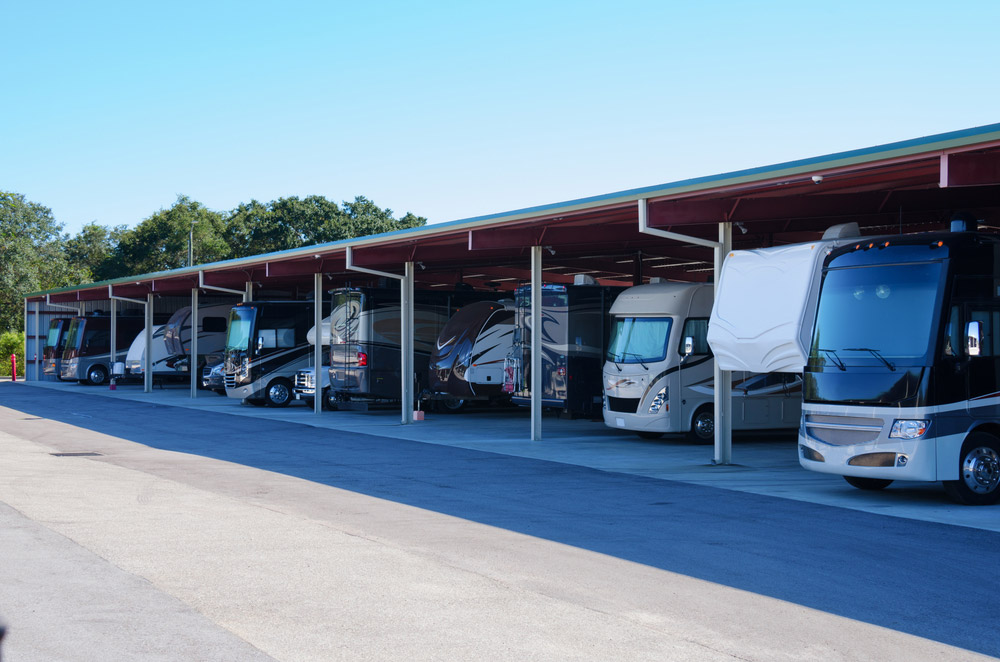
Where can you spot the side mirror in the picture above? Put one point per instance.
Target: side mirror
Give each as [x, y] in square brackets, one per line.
[260, 343]
[973, 338]
[688, 346]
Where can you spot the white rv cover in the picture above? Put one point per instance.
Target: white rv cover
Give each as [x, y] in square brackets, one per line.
[764, 307]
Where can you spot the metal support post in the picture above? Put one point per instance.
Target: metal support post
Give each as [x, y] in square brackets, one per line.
[38, 332]
[114, 337]
[318, 347]
[723, 378]
[536, 343]
[193, 360]
[248, 293]
[147, 371]
[406, 341]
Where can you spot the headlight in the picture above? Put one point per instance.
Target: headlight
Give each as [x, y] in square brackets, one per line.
[908, 429]
[659, 401]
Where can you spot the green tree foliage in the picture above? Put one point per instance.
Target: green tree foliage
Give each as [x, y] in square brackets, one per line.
[31, 256]
[11, 342]
[254, 228]
[95, 248]
[160, 242]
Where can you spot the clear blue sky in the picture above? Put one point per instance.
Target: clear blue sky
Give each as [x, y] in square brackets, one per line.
[451, 110]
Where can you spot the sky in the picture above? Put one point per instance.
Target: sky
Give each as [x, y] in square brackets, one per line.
[452, 110]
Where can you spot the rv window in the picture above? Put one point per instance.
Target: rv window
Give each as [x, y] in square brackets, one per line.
[696, 328]
[53, 338]
[213, 324]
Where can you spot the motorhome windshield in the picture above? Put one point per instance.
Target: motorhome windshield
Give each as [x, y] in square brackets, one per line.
[639, 339]
[75, 334]
[52, 340]
[880, 314]
[240, 327]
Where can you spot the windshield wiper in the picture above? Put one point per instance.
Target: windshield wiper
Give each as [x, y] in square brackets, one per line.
[874, 353]
[833, 357]
[637, 358]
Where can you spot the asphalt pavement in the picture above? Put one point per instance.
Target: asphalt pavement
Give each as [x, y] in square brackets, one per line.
[209, 530]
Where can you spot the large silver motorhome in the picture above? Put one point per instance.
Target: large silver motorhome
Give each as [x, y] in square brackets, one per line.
[87, 357]
[658, 376]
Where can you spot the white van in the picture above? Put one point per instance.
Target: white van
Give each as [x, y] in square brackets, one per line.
[658, 373]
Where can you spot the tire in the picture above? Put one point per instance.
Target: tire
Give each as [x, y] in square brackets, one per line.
[979, 471]
[644, 434]
[871, 484]
[450, 405]
[703, 426]
[96, 375]
[278, 393]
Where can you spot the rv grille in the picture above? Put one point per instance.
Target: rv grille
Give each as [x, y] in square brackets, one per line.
[843, 430]
[623, 405]
[230, 381]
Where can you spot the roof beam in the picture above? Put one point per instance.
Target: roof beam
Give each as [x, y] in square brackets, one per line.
[970, 169]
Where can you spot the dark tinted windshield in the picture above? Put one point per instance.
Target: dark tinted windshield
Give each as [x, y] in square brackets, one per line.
[639, 339]
[885, 311]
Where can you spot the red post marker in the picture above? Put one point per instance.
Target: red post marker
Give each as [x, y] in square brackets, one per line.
[13, 367]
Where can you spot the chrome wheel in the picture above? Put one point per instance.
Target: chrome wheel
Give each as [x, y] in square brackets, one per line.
[703, 427]
[981, 470]
[96, 375]
[279, 393]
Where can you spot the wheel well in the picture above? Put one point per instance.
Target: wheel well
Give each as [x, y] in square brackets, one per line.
[989, 428]
[705, 406]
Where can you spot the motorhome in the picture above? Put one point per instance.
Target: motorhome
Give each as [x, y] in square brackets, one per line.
[659, 369]
[87, 357]
[55, 344]
[212, 322]
[575, 331]
[266, 345]
[467, 360]
[365, 339]
[903, 371]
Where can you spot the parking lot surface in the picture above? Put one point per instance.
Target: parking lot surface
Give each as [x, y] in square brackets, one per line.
[281, 534]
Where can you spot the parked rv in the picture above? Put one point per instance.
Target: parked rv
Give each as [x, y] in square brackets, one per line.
[87, 357]
[55, 345]
[212, 321]
[265, 346]
[904, 367]
[135, 359]
[365, 339]
[467, 360]
[575, 331]
[659, 372]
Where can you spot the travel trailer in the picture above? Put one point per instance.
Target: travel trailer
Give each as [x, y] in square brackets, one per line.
[659, 372]
[266, 345]
[212, 322]
[900, 360]
[135, 358]
[467, 360]
[55, 344]
[87, 357]
[575, 330]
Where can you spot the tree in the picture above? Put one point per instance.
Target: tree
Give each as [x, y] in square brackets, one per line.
[94, 247]
[254, 228]
[160, 242]
[31, 257]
